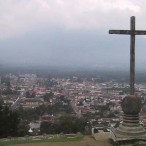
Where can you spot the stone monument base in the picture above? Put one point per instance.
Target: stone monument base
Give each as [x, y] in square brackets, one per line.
[123, 133]
[130, 129]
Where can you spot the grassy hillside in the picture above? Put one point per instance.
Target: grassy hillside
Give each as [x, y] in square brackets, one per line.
[76, 141]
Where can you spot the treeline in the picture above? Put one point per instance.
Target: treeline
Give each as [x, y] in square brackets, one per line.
[15, 123]
[65, 124]
[32, 114]
[11, 124]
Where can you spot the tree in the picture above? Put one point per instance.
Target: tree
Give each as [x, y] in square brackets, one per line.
[1, 101]
[44, 127]
[48, 96]
[27, 94]
[28, 114]
[8, 122]
[8, 91]
[66, 124]
[42, 109]
[32, 95]
[23, 128]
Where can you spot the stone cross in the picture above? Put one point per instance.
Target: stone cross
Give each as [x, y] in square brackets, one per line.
[132, 32]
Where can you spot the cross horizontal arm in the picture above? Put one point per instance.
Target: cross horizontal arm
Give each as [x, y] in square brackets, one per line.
[128, 32]
[119, 31]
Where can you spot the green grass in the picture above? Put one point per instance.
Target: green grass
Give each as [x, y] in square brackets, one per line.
[63, 139]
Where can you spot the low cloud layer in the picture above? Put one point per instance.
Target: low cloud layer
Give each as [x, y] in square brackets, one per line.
[69, 32]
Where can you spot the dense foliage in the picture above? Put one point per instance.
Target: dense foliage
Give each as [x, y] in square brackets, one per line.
[65, 124]
[10, 123]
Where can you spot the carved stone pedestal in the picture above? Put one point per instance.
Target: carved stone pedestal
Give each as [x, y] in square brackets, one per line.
[130, 129]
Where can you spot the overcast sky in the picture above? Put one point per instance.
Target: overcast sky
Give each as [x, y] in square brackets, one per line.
[70, 32]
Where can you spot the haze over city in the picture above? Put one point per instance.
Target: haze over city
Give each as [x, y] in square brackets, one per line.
[70, 33]
[66, 75]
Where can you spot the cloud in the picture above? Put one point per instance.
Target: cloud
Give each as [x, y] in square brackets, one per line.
[69, 31]
[19, 17]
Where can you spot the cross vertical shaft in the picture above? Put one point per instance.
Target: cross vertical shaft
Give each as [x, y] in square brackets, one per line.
[132, 56]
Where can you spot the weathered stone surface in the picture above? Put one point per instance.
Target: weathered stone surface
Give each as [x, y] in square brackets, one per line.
[130, 129]
[124, 135]
[131, 105]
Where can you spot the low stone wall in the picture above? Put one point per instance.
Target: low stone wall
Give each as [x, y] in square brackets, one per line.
[39, 137]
